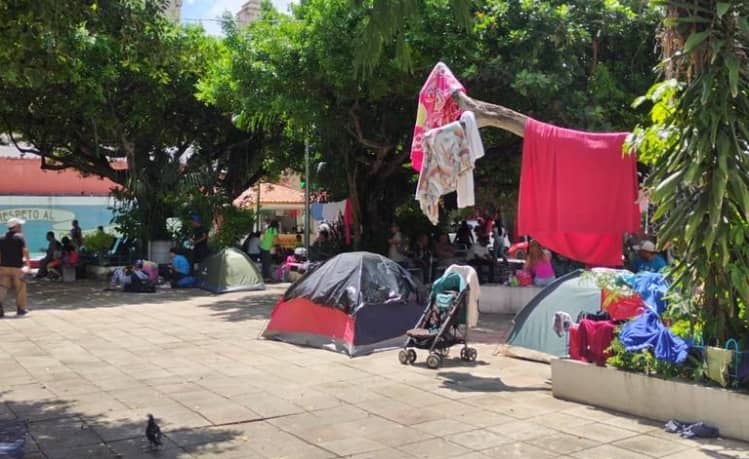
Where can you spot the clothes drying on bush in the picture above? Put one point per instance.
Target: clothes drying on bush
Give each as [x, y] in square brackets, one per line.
[719, 363]
[622, 308]
[652, 287]
[647, 332]
[594, 339]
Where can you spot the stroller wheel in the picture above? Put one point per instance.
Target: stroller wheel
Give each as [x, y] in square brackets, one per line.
[403, 357]
[468, 354]
[434, 361]
[411, 356]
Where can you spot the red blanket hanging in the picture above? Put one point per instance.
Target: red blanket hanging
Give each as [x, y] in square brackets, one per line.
[578, 192]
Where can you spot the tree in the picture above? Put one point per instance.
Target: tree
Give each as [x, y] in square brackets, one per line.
[110, 90]
[697, 145]
[566, 65]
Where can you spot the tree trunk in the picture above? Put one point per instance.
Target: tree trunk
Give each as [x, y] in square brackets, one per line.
[492, 115]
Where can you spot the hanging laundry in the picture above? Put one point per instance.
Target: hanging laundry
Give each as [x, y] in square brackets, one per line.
[578, 192]
[436, 108]
[575, 345]
[719, 362]
[466, 195]
[652, 288]
[647, 332]
[562, 323]
[315, 211]
[446, 157]
[332, 211]
[595, 338]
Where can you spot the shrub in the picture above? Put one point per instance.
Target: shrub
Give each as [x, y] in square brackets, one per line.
[98, 242]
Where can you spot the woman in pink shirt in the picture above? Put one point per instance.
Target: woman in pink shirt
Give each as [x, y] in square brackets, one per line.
[538, 264]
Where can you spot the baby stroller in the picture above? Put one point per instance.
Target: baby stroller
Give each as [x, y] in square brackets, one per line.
[442, 325]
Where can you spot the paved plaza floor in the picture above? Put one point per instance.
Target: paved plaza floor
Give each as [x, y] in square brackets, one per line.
[87, 366]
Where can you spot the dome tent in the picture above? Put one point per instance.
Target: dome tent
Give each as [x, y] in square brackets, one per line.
[533, 325]
[229, 270]
[355, 303]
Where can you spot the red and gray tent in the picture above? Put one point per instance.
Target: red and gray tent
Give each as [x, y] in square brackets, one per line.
[355, 303]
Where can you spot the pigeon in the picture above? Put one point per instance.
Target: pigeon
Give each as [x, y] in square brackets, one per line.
[153, 432]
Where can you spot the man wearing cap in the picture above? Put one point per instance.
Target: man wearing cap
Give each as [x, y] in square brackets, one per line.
[14, 256]
[648, 259]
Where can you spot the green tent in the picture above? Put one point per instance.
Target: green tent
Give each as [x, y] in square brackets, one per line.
[533, 327]
[229, 270]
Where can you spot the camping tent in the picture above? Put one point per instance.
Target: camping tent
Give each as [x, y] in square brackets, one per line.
[355, 303]
[229, 270]
[572, 294]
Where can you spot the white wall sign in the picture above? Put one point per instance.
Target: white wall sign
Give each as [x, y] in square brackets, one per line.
[61, 220]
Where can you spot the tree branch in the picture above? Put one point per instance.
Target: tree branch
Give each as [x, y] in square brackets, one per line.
[492, 115]
[359, 134]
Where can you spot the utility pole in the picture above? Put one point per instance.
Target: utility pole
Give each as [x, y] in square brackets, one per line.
[307, 186]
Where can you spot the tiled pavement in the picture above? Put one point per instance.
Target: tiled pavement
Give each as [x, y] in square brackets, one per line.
[86, 366]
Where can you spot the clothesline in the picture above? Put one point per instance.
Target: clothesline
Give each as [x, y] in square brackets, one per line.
[578, 194]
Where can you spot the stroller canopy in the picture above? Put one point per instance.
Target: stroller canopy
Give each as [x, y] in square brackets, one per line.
[533, 327]
[229, 270]
[355, 303]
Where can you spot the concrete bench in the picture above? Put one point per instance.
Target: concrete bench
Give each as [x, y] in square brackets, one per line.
[500, 299]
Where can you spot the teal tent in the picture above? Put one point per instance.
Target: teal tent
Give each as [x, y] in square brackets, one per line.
[533, 325]
[229, 270]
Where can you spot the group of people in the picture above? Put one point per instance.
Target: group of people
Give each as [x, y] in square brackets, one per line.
[470, 245]
[60, 253]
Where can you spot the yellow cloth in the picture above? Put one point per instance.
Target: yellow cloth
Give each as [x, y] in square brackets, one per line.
[718, 363]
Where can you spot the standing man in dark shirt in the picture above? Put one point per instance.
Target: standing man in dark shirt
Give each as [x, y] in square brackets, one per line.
[76, 234]
[14, 256]
[199, 240]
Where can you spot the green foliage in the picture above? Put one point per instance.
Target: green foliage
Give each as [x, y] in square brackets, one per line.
[611, 282]
[697, 143]
[298, 74]
[98, 242]
[234, 225]
[645, 362]
[108, 88]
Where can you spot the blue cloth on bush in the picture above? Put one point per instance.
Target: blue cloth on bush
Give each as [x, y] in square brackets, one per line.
[647, 332]
[651, 287]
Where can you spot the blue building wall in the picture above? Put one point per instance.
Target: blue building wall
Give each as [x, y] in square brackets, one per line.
[55, 213]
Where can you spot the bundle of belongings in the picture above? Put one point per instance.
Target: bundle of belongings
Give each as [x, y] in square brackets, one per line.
[691, 430]
[141, 277]
[636, 315]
